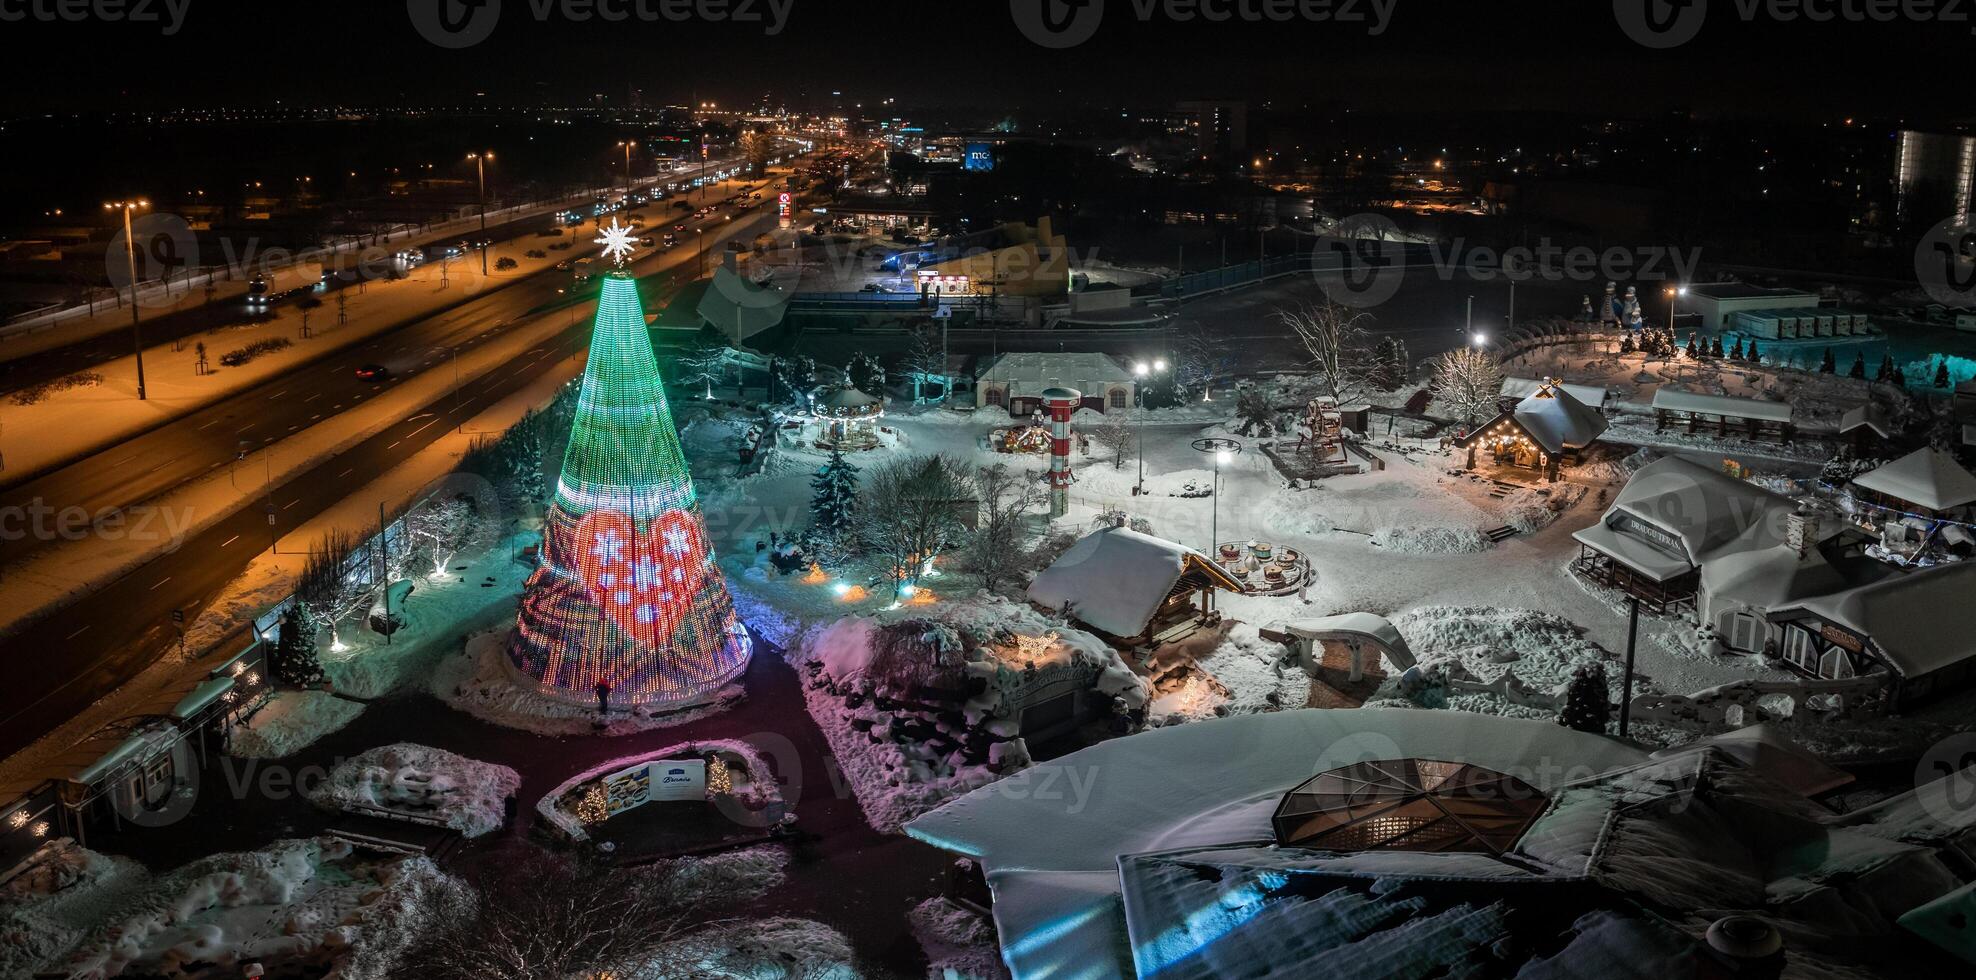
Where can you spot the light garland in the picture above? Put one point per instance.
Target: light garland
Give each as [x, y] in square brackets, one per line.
[628, 594]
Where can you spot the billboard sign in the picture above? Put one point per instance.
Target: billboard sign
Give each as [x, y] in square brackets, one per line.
[679, 779]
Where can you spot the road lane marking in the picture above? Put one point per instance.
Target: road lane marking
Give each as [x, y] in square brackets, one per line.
[161, 581]
[229, 540]
[208, 425]
[291, 503]
[77, 633]
[345, 473]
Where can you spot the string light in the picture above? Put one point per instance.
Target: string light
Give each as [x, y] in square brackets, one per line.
[628, 594]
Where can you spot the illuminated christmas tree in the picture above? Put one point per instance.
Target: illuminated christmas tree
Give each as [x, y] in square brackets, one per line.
[628, 593]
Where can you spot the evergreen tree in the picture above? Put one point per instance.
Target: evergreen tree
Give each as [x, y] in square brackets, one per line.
[1886, 372]
[1752, 355]
[1899, 376]
[834, 498]
[1829, 365]
[1626, 344]
[1942, 373]
[1715, 349]
[1693, 351]
[294, 661]
[1736, 352]
[1858, 367]
[1389, 371]
[1586, 707]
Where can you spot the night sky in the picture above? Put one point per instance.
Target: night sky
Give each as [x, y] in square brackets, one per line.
[1511, 54]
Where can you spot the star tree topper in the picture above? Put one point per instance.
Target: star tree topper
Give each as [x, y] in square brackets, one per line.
[617, 242]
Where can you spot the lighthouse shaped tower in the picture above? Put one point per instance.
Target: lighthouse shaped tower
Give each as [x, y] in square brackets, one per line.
[627, 593]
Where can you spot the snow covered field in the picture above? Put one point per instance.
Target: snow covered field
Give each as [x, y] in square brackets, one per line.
[422, 783]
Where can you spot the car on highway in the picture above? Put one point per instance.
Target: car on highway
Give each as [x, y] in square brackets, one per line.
[373, 372]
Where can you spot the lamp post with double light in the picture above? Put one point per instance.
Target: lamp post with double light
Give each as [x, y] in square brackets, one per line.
[480, 167]
[1141, 372]
[130, 255]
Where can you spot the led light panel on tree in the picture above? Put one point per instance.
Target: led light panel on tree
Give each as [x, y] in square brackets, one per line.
[628, 593]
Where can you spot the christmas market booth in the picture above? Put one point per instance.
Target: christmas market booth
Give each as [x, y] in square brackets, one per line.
[1543, 432]
[846, 419]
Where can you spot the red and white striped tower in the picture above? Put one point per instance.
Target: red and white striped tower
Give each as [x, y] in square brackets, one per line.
[1061, 402]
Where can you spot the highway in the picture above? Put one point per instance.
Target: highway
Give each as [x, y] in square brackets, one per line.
[63, 662]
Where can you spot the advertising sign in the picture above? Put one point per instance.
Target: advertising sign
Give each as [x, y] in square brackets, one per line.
[629, 788]
[679, 779]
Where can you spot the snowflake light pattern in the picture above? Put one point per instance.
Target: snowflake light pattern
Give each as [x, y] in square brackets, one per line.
[617, 242]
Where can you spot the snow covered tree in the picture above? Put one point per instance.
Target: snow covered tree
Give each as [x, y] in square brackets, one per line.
[1390, 363]
[1829, 365]
[1115, 434]
[1006, 497]
[1752, 355]
[1334, 340]
[834, 499]
[1467, 383]
[1257, 415]
[910, 513]
[795, 377]
[1626, 344]
[1886, 372]
[1858, 370]
[1587, 707]
[1715, 349]
[293, 660]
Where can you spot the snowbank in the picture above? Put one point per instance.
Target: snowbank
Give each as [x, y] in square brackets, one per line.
[1431, 540]
[302, 905]
[290, 722]
[959, 943]
[69, 891]
[426, 783]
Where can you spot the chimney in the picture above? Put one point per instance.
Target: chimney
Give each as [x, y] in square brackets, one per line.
[1801, 531]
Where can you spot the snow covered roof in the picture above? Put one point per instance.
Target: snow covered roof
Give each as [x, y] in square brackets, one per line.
[1348, 626]
[1174, 787]
[1675, 400]
[1908, 617]
[1767, 578]
[1768, 750]
[1558, 421]
[1115, 579]
[1087, 372]
[1927, 478]
[1709, 513]
[1408, 805]
[1593, 396]
[1869, 416]
[844, 400]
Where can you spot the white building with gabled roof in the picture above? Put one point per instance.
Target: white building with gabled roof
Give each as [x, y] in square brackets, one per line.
[1016, 381]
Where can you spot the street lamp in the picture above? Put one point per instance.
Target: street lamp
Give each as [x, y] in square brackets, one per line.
[1141, 370]
[1674, 294]
[480, 166]
[626, 146]
[130, 254]
[702, 239]
[1224, 451]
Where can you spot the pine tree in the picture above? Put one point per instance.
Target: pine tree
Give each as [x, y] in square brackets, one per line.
[1693, 351]
[1715, 349]
[1942, 373]
[1829, 365]
[1886, 372]
[1752, 355]
[1858, 367]
[1736, 352]
[1586, 707]
[834, 498]
[1626, 344]
[294, 661]
[1899, 377]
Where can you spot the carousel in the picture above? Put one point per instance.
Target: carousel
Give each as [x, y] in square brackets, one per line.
[846, 419]
[1264, 568]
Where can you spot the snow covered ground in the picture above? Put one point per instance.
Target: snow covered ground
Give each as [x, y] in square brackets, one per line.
[297, 905]
[423, 783]
[290, 722]
[479, 681]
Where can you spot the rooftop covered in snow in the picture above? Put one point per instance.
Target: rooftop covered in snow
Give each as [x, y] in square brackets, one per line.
[1116, 579]
[1674, 515]
[1927, 478]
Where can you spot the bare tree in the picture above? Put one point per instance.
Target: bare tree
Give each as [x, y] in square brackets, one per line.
[1335, 340]
[1201, 360]
[1006, 496]
[910, 513]
[704, 361]
[926, 358]
[1115, 435]
[1467, 383]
